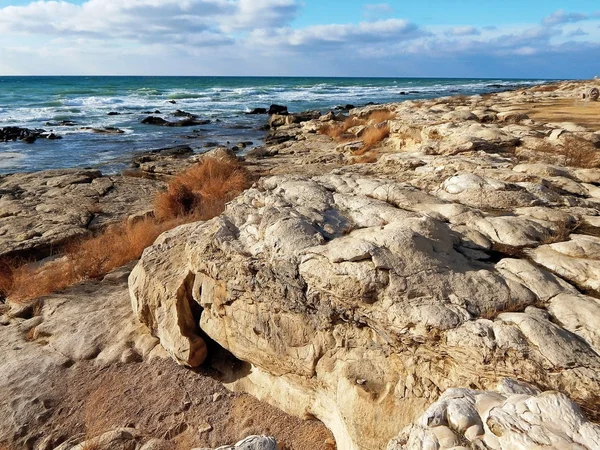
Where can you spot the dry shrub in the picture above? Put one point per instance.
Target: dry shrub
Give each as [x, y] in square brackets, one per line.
[338, 131]
[574, 151]
[545, 88]
[381, 115]
[200, 192]
[373, 136]
[580, 153]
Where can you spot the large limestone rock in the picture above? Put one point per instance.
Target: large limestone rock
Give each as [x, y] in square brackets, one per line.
[353, 300]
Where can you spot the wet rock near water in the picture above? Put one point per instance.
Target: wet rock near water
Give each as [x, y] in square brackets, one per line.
[258, 111]
[25, 135]
[277, 109]
[188, 122]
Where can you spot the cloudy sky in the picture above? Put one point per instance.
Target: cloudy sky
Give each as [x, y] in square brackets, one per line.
[435, 38]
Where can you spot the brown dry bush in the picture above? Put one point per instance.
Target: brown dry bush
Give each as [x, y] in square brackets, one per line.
[373, 136]
[202, 191]
[199, 193]
[574, 151]
[381, 115]
[545, 88]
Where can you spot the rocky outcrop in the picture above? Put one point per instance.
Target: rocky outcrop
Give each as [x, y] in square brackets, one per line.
[25, 135]
[42, 210]
[360, 300]
[426, 282]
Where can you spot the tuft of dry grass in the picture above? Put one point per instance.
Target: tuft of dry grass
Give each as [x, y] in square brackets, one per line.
[381, 115]
[199, 193]
[376, 129]
[573, 152]
[545, 88]
[373, 136]
[202, 191]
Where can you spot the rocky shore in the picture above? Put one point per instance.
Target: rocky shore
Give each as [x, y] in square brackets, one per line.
[436, 290]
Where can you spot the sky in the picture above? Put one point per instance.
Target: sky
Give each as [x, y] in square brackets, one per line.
[402, 38]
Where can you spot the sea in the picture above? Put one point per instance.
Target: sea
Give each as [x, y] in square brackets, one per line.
[71, 107]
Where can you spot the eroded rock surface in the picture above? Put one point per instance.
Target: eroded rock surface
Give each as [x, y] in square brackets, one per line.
[358, 301]
[42, 210]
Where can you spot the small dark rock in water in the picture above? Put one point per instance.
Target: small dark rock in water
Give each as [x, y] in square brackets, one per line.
[172, 102]
[210, 144]
[258, 111]
[180, 113]
[403, 93]
[347, 107]
[107, 130]
[24, 134]
[151, 120]
[152, 112]
[62, 123]
[371, 104]
[278, 109]
[190, 122]
[51, 136]
[114, 113]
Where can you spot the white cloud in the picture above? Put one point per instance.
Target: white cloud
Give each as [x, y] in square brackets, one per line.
[374, 11]
[324, 37]
[463, 31]
[257, 37]
[560, 17]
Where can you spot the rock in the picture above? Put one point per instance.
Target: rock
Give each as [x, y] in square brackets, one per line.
[114, 113]
[119, 439]
[278, 120]
[277, 109]
[511, 117]
[500, 420]
[85, 323]
[257, 443]
[24, 134]
[258, 111]
[188, 122]
[179, 151]
[319, 282]
[107, 130]
[42, 210]
[577, 260]
[180, 113]
[152, 120]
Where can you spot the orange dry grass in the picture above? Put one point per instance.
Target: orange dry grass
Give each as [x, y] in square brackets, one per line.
[371, 136]
[202, 191]
[199, 193]
[575, 152]
[85, 259]
[381, 115]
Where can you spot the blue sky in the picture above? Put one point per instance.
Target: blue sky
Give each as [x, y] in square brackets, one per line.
[437, 38]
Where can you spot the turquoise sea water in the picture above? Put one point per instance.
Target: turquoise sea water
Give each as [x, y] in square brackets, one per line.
[41, 102]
